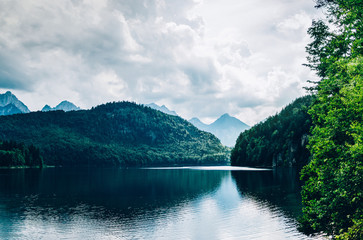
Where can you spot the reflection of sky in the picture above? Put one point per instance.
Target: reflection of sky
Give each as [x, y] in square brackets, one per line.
[220, 214]
[224, 214]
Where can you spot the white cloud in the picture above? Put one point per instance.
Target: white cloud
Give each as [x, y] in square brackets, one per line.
[200, 58]
[297, 22]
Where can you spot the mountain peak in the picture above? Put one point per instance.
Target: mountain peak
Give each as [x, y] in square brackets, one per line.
[46, 108]
[195, 119]
[226, 128]
[8, 98]
[162, 108]
[65, 102]
[227, 120]
[199, 124]
[226, 115]
[64, 105]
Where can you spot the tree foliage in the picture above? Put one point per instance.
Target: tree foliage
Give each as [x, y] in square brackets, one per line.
[280, 140]
[13, 154]
[340, 36]
[332, 193]
[113, 134]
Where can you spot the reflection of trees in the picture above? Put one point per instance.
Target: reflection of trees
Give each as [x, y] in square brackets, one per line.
[111, 192]
[278, 189]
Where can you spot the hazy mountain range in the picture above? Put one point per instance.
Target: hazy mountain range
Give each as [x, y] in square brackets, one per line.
[226, 128]
[64, 105]
[162, 108]
[10, 104]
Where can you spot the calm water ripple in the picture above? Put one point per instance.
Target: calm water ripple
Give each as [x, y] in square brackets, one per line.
[173, 203]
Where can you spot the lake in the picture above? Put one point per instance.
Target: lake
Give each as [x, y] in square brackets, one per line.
[150, 203]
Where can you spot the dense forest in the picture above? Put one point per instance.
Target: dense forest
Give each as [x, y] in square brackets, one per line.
[280, 140]
[333, 180]
[13, 154]
[113, 134]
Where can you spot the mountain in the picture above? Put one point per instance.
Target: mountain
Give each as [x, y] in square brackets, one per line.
[113, 134]
[47, 108]
[64, 105]
[280, 140]
[163, 109]
[10, 104]
[9, 110]
[199, 124]
[226, 128]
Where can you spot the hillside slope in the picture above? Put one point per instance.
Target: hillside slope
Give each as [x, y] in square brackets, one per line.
[278, 141]
[113, 134]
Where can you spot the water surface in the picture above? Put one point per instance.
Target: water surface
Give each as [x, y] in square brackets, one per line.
[156, 203]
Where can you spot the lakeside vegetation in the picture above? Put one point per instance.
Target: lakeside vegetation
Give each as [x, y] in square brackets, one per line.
[333, 180]
[280, 140]
[114, 134]
[13, 154]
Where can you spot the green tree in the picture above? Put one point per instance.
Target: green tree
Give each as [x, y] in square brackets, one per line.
[13, 154]
[333, 181]
[280, 140]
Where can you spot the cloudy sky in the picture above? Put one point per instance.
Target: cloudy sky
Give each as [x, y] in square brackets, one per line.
[200, 58]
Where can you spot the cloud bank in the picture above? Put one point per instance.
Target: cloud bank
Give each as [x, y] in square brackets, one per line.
[200, 58]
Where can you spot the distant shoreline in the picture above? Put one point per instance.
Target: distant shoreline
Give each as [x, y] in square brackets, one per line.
[26, 167]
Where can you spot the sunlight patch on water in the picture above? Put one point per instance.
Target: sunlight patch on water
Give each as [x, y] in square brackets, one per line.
[230, 168]
[220, 168]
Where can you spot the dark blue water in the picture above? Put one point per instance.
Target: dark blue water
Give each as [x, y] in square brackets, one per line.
[172, 203]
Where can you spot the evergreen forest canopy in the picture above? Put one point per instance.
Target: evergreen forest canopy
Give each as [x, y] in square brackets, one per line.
[332, 193]
[280, 140]
[14, 154]
[113, 134]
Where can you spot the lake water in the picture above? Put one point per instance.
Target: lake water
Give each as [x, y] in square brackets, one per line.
[155, 203]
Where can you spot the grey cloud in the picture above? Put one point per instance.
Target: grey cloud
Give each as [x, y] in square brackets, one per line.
[202, 74]
[288, 95]
[10, 76]
[144, 10]
[248, 102]
[153, 51]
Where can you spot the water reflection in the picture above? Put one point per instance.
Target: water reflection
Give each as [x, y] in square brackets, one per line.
[117, 189]
[279, 189]
[146, 204]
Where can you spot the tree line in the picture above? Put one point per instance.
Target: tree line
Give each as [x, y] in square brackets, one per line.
[13, 154]
[280, 140]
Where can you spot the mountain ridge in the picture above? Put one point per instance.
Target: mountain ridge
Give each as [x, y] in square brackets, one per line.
[226, 128]
[10, 104]
[64, 105]
[162, 108]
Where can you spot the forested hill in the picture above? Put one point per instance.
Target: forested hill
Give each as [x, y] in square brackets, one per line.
[280, 140]
[113, 134]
